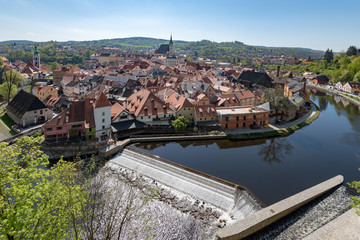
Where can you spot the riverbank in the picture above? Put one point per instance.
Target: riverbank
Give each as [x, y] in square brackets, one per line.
[352, 99]
[113, 148]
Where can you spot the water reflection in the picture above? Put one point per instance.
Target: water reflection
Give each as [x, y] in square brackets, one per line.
[221, 144]
[275, 150]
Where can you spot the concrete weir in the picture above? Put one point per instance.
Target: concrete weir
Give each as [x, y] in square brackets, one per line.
[273, 213]
[217, 192]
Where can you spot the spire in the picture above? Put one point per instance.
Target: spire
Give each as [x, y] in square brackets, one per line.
[171, 42]
[36, 51]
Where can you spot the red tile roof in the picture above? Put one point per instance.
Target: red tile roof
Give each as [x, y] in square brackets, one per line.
[145, 103]
[116, 110]
[102, 101]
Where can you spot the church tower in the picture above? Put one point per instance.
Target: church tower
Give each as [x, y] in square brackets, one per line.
[171, 45]
[36, 58]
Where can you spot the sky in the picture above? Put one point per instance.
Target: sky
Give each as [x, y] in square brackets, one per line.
[316, 24]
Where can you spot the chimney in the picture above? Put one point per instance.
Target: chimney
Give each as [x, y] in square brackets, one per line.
[305, 86]
[278, 71]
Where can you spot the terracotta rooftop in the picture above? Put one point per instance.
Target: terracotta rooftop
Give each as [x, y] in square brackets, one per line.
[102, 101]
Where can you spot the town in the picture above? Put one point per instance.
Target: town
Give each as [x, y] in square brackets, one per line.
[117, 95]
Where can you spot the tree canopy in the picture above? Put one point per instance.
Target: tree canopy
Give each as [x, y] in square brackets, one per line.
[11, 79]
[36, 202]
[351, 51]
[180, 124]
[329, 56]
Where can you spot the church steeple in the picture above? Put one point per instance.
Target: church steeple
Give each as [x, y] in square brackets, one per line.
[170, 44]
[36, 58]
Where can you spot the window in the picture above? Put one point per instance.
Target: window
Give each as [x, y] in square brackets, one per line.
[141, 117]
[41, 111]
[103, 127]
[244, 118]
[237, 118]
[226, 118]
[48, 129]
[103, 113]
[200, 119]
[103, 120]
[34, 111]
[58, 128]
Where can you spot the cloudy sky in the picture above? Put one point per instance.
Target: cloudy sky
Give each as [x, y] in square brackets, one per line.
[316, 24]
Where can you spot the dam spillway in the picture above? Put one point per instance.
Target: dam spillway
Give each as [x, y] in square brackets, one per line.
[229, 197]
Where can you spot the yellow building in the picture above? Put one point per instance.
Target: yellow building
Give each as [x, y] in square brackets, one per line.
[42, 92]
[182, 106]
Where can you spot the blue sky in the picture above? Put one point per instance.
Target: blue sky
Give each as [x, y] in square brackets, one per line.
[316, 24]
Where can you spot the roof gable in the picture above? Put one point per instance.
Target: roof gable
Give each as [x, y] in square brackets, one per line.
[102, 101]
[24, 102]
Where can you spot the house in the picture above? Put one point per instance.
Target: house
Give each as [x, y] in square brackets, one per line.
[202, 99]
[242, 117]
[59, 73]
[205, 115]
[227, 100]
[75, 122]
[148, 108]
[347, 88]
[102, 117]
[26, 109]
[75, 90]
[292, 87]
[252, 79]
[182, 106]
[246, 98]
[339, 86]
[322, 79]
[44, 91]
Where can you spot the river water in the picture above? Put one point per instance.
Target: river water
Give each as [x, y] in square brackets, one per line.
[276, 168]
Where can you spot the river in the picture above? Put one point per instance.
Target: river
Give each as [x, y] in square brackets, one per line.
[276, 168]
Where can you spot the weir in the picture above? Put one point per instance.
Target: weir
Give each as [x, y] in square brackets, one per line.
[222, 194]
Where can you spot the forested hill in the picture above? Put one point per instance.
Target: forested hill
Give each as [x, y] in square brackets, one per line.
[203, 48]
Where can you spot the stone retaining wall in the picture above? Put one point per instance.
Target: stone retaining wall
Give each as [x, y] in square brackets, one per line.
[272, 213]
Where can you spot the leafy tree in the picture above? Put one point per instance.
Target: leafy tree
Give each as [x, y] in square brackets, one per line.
[356, 199]
[351, 51]
[180, 124]
[36, 202]
[329, 56]
[54, 65]
[275, 96]
[6, 92]
[11, 79]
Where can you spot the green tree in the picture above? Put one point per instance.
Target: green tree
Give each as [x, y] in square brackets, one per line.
[329, 56]
[54, 65]
[6, 92]
[275, 96]
[351, 51]
[180, 124]
[356, 200]
[11, 79]
[36, 202]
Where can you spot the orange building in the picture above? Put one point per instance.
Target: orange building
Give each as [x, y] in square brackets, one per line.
[242, 117]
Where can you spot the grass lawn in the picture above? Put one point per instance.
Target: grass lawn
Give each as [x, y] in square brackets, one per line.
[6, 124]
[7, 120]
